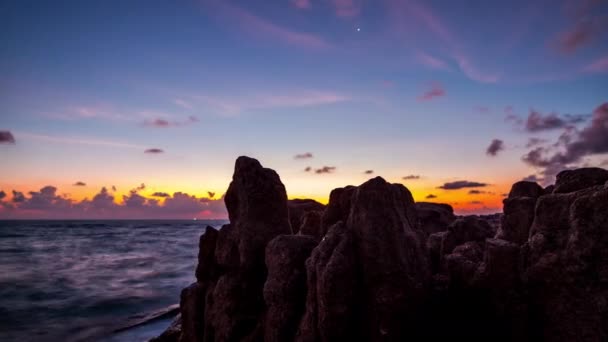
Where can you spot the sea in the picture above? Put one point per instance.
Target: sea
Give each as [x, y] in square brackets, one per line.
[85, 280]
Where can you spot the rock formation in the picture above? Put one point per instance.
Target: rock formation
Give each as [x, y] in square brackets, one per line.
[375, 266]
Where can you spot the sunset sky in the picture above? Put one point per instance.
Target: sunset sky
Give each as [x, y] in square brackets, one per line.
[457, 100]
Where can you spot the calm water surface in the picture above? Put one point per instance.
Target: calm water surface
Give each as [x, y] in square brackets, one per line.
[79, 280]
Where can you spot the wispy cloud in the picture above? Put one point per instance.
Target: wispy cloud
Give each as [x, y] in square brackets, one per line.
[154, 151]
[430, 61]
[306, 155]
[77, 141]
[598, 66]
[234, 105]
[253, 25]
[163, 123]
[301, 4]
[461, 185]
[347, 8]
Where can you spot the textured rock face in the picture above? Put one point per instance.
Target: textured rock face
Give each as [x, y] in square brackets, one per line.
[257, 207]
[567, 266]
[368, 274]
[285, 287]
[434, 217]
[519, 212]
[366, 269]
[299, 208]
[574, 180]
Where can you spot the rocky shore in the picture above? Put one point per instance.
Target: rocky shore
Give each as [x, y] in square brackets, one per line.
[373, 265]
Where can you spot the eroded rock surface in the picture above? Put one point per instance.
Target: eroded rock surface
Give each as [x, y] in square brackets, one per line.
[375, 266]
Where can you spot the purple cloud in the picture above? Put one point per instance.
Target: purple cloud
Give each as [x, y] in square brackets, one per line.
[461, 185]
[572, 145]
[325, 169]
[306, 155]
[411, 177]
[496, 146]
[7, 137]
[154, 151]
[80, 184]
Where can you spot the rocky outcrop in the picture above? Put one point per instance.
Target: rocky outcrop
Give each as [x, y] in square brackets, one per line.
[375, 266]
[579, 179]
[434, 217]
[285, 287]
[518, 212]
[299, 208]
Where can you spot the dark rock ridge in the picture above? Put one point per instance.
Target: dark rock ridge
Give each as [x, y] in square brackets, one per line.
[375, 266]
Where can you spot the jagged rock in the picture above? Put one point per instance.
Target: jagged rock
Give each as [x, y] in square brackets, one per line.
[434, 217]
[298, 208]
[311, 225]
[285, 287]
[257, 207]
[192, 307]
[392, 258]
[464, 229]
[434, 247]
[549, 189]
[526, 189]
[207, 268]
[500, 266]
[226, 248]
[567, 265]
[338, 207]
[573, 180]
[331, 297]
[463, 262]
[518, 212]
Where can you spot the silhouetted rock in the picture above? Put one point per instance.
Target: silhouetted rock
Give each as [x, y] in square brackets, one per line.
[568, 265]
[298, 208]
[573, 180]
[331, 310]
[173, 333]
[434, 217]
[518, 212]
[311, 225]
[549, 189]
[257, 207]
[207, 267]
[367, 269]
[526, 189]
[338, 207]
[285, 287]
[465, 229]
[192, 307]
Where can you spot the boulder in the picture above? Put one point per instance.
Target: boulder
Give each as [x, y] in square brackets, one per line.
[526, 189]
[434, 217]
[464, 229]
[285, 287]
[192, 307]
[518, 215]
[573, 180]
[298, 208]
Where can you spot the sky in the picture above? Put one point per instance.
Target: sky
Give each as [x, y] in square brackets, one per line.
[138, 109]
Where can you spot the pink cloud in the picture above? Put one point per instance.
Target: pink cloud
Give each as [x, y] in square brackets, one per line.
[435, 91]
[264, 29]
[599, 66]
[580, 35]
[347, 8]
[301, 4]
[416, 11]
[47, 203]
[430, 61]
